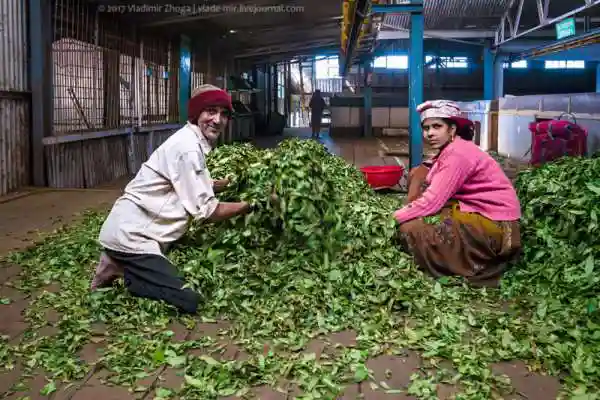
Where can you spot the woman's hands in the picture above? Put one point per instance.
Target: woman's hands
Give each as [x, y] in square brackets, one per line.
[416, 179]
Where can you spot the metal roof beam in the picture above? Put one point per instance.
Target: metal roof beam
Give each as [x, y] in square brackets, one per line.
[453, 34]
[521, 45]
[286, 55]
[542, 7]
[290, 35]
[586, 39]
[299, 26]
[513, 21]
[456, 34]
[357, 16]
[289, 43]
[288, 48]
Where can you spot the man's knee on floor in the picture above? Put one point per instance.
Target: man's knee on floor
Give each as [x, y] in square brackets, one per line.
[184, 299]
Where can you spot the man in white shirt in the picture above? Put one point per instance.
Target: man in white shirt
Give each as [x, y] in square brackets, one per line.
[172, 187]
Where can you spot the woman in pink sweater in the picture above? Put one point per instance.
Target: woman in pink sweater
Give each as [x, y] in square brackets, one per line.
[477, 232]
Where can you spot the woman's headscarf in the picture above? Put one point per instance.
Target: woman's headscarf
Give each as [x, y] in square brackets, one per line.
[439, 109]
[447, 109]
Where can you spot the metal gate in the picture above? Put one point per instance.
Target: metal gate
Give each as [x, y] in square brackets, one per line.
[15, 98]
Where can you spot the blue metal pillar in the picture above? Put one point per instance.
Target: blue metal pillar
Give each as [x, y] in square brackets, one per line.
[368, 101]
[488, 73]
[185, 77]
[41, 35]
[415, 88]
[598, 77]
[499, 75]
[415, 71]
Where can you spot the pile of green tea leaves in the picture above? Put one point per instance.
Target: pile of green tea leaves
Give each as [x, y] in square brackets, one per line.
[558, 278]
[320, 200]
[324, 259]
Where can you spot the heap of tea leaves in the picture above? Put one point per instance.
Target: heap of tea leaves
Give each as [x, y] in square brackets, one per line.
[558, 278]
[324, 259]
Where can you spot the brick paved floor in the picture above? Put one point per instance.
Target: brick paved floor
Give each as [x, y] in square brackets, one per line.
[21, 218]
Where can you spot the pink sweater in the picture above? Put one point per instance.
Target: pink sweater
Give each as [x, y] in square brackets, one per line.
[465, 173]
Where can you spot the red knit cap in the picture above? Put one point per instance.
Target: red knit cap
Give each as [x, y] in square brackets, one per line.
[207, 96]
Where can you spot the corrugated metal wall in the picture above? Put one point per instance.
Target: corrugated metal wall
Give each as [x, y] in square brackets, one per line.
[108, 84]
[14, 97]
[92, 162]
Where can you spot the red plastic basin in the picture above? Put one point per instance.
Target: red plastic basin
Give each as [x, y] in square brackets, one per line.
[383, 176]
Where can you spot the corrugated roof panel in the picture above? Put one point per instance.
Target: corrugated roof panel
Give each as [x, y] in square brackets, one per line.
[437, 12]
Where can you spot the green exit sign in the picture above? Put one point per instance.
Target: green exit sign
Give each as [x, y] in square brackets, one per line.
[565, 28]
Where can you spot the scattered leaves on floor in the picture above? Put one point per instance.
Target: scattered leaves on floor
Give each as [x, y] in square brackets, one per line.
[321, 260]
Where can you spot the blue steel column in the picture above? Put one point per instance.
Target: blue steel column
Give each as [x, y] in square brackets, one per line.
[415, 71]
[368, 101]
[185, 80]
[40, 67]
[499, 75]
[598, 77]
[488, 73]
[415, 88]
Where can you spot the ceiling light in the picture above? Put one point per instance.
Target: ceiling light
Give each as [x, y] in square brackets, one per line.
[232, 31]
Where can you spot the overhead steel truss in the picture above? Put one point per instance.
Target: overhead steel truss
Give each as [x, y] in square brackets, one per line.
[278, 48]
[510, 22]
[587, 39]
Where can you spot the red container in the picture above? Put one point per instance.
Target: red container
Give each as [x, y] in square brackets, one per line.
[556, 138]
[379, 177]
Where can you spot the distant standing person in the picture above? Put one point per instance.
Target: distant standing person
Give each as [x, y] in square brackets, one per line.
[317, 105]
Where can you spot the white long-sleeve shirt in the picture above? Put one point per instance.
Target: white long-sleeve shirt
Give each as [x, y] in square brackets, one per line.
[170, 189]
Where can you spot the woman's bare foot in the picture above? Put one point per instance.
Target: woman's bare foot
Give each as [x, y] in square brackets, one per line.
[107, 271]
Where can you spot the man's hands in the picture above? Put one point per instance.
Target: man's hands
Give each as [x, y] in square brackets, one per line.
[220, 184]
[229, 210]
